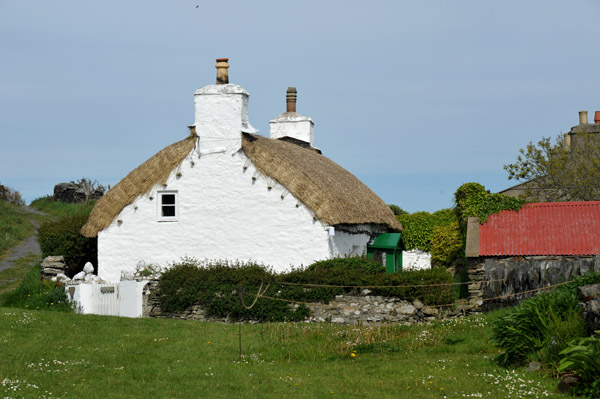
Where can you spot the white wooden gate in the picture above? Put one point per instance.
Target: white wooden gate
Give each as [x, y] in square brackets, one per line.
[108, 300]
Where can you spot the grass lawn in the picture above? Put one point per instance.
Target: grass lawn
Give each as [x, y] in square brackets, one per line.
[56, 355]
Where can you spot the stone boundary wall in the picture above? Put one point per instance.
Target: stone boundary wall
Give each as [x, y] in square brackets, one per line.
[344, 309]
[522, 273]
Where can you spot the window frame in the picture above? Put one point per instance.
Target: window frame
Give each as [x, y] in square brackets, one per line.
[175, 205]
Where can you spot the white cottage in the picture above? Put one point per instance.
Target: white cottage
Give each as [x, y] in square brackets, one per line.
[226, 193]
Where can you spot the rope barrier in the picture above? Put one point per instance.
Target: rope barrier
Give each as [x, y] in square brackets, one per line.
[385, 286]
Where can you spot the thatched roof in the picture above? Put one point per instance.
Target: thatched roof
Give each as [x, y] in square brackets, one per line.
[335, 195]
[154, 171]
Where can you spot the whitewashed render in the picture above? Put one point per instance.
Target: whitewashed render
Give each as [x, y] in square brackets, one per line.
[223, 213]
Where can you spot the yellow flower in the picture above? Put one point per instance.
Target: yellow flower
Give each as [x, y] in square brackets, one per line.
[353, 355]
[51, 303]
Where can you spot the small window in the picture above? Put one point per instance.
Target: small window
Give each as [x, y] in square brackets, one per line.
[167, 206]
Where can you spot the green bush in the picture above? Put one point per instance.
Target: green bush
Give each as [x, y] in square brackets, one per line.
[418, 228]
[447, 245]
[341, 265]
[583, 357]
[540, 327]
[34, 293]
[217, 287]
[62, 237]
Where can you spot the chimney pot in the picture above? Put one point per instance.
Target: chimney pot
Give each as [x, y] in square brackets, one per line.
[583, 119]
[290, 99]
[597, 117]
[222, 73]
[567, 137]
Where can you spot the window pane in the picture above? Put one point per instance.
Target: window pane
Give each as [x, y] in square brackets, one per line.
[168, 211]
[168, 199]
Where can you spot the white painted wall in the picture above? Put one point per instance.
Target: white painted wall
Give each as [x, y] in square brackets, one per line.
[416, 260]
[226, 211]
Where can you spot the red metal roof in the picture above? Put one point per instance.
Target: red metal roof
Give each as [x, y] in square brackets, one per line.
[550, 228]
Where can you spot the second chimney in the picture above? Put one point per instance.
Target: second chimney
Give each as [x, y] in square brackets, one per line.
[291, 125]
[583, 117]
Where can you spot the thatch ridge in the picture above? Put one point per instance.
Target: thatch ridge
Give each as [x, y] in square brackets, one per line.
[336, 196]
[155, 170]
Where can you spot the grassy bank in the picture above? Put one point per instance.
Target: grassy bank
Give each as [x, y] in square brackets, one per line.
[14, 226]
[60, 209]
[52, 355]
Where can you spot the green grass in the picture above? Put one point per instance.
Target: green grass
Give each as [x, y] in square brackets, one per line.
[60, 209]
[14, 226]
[52, 354]
[10, 278]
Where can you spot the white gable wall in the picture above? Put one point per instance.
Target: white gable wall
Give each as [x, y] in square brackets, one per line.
[223, 213]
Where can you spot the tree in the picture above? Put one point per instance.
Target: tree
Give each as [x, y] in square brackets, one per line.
[559, 171]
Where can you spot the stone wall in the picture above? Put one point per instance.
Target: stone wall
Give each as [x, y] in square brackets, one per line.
[344, 309]
[521, 274]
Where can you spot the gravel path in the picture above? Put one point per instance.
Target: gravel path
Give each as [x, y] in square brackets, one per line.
[28, 246]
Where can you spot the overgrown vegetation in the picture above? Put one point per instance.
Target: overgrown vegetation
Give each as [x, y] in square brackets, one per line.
[472, 199]
[34, 293]
[419, 226]
[219, 286]
[583, 357]
[62, 237]
[539, 328]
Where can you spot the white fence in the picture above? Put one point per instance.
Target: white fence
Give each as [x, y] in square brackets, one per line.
[119, 299]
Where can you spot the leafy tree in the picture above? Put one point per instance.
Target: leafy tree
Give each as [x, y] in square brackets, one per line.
[397, 210]
[560, 172]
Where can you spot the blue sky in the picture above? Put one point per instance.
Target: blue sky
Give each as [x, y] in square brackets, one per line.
[413, 97]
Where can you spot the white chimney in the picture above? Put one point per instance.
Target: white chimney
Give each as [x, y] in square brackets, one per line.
[221, 113]
[291, 124]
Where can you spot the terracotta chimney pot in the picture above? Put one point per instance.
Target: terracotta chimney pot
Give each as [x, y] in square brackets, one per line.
[222, 73]
[290, 99]
[597, 117]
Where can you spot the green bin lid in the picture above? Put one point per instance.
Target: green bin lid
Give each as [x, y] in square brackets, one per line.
[387, 241]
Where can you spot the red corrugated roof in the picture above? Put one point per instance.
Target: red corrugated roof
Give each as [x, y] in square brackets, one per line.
[550, 228]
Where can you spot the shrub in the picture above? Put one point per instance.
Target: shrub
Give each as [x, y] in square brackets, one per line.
[62, 237]
[540, 327]
[341, 265]
[219, 286]
[447, 245]
[418, 228]
[34, 293]
[14, 226]
[62, 209]
[583, 357]
[11, 196]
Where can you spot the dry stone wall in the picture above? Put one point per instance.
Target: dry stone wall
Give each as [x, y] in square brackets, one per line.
[344, 309]
[498, 277]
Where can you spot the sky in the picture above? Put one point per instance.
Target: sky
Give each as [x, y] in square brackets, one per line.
[415, 98]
